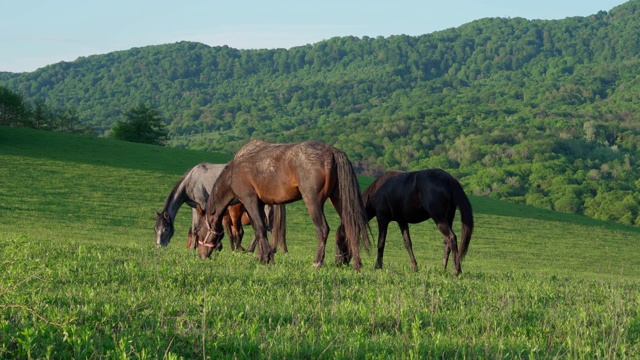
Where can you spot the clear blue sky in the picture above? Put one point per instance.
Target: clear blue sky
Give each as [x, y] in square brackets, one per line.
[36, 33]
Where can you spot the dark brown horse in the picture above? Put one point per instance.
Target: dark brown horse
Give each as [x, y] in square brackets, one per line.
[413, 197]
[263, 173]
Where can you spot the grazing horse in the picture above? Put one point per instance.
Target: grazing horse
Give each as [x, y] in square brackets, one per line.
[193, 189]
[233, 223]
[263, 173]
[413, 197]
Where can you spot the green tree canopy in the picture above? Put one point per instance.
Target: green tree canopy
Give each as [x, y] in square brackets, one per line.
[143, 125]
[13, 109]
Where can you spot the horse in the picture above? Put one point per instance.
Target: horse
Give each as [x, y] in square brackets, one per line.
[263, 173]
[233, 222]
[192, 188]
[414, 197]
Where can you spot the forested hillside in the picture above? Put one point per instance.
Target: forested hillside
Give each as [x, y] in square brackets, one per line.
[540, 112]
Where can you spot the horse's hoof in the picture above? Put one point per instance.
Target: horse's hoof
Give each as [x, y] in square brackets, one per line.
[317, 265]
[357, 264]
[343, 259]
[269, 258]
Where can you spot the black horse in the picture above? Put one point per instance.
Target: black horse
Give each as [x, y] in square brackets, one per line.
[413, 197]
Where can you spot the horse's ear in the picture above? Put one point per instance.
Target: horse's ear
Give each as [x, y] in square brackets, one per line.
[199, 210]
[157, 213]
[166, 215]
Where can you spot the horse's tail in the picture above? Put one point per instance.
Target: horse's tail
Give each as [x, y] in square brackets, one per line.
[466, 214]
[278, 229]
[354, 215]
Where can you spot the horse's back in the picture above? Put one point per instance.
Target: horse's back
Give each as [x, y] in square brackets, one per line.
[413, 196]
[435, 191]
[200, 180]
[281, 173]
[258, 150]
[433, 177]
[282, 163]
[205, 169]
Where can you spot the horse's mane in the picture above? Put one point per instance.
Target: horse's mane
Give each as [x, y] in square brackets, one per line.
[373, 188]
[174, 190]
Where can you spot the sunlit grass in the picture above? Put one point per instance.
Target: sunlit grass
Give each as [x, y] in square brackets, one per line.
[80, 277]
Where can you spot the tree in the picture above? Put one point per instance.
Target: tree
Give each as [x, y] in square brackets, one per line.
[13, 109]
[143, 125]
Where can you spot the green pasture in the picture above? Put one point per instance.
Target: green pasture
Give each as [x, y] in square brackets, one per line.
[80, 276]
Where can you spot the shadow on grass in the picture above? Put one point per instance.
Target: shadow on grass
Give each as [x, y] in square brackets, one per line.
[101, 151]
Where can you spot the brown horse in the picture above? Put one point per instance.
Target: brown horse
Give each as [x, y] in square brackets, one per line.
[263, 173]
[233, 222]
[413, 197]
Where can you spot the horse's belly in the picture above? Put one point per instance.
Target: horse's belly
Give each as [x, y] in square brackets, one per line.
[279, 195]
[412, 217]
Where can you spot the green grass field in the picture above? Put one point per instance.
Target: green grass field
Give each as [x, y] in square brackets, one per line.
[80, 276]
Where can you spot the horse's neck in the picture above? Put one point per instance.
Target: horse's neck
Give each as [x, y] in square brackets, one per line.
[177, 197]
[222, 193]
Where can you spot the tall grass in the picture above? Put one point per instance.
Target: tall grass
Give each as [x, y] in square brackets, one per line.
[80, 277]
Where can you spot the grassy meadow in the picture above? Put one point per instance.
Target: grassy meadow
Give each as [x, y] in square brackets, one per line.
[80, 276]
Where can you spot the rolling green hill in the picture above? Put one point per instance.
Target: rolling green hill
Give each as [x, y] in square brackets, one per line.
[543, 113]
[80, 277]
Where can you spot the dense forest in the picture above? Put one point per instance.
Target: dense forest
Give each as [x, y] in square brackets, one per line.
[540, 112]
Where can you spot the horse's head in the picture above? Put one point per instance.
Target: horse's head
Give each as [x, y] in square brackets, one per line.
[164, 228]
[211, 239]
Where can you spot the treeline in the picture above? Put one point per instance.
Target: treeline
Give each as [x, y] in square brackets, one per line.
[540, 112]
[17, 112]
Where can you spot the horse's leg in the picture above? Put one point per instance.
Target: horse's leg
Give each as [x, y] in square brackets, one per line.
[322, 229]
[268, 221]
[255, 208]
[342, 250]
[254, 242]
[343, 255]
[226, 223]
[447, 249]
[277, 218]
[190, 239]
[239, 236]
[195, 224]
[451, 245]
[383, 225]
[406, 238]
[238, 230]
[278, 227]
